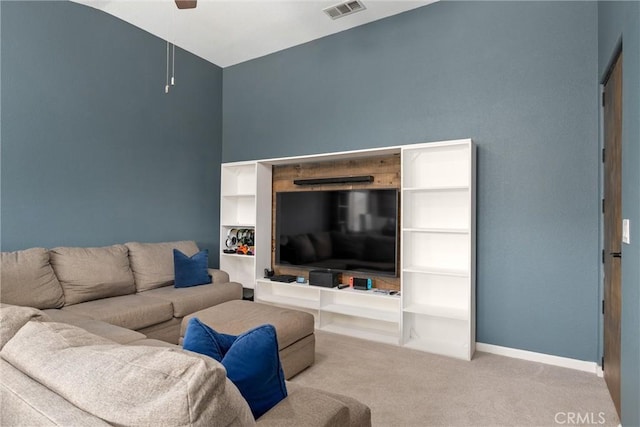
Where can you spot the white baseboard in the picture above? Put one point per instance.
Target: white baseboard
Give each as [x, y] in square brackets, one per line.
[565, 362]
[599, 371]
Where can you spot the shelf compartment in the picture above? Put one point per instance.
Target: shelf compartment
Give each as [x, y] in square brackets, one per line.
[364, 312]
[437, 230]
[286, 303]
[241, 269]
[357, 327]
[435, 188]
[423, 292]
[436, 271]
[227, 227]
[458, 350]
[239, 210]
[449, 337]
[445, 165]
[236, 255]
[234, 225]
[238, 179]
[436, 251]
[361, 304]
[289, 301]
[224, 233]
[437, 210]
[454, 313]
[292, 295]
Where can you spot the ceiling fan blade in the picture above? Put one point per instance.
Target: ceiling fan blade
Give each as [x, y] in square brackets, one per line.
[186, 4]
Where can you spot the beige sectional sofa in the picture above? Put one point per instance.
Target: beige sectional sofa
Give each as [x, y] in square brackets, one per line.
[126, 285]
[56, 374]
[87, 338]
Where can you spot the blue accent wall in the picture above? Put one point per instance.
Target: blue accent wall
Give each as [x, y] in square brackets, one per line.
[620, 22]
[520, 78]
[93, 151]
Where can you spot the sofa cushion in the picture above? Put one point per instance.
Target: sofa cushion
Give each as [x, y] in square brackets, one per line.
[64, 316]
[92, 273]
[191, 270]
[152, 263]
[14, 317]
[28, 279]
[251, 360]
[189, 300]
[359, 413]
[168, 331]
[98, 327]
[129, 311]
[305, 406]
[126, 385]
[309, 406]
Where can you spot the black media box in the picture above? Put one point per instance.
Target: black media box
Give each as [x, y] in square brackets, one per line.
[325, 278]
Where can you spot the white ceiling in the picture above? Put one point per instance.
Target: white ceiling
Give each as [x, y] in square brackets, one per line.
[227, 32]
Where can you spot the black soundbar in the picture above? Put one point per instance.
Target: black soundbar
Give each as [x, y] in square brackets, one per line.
[335, 180]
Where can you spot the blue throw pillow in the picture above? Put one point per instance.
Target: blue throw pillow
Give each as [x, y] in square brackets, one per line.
[191, 271]
[251, 359]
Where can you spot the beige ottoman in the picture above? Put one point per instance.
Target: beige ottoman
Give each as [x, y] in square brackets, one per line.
[294, 329]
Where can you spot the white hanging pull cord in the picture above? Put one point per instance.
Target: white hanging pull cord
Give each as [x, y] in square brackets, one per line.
[173, 66]
[166, 85]
[173, 47]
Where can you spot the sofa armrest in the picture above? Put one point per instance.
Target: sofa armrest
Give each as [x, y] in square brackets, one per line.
[218, 276]
[307, 407]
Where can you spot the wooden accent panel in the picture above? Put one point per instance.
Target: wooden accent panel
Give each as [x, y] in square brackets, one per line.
[386, 174]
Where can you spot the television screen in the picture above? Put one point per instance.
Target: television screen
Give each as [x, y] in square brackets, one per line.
[345, 230]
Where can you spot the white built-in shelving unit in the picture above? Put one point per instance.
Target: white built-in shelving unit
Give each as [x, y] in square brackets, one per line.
[437, 255]
[436, 309]
[245, 191]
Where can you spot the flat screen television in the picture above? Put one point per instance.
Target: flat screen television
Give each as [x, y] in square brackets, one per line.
[343, 230]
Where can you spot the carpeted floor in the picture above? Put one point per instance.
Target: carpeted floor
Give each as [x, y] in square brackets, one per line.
[410, 388]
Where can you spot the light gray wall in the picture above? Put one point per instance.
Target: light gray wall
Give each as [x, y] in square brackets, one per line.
[520, 78]
[93, 151]
[620, 22]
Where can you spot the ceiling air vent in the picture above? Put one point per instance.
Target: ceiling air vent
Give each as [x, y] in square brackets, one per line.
[344, 9]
